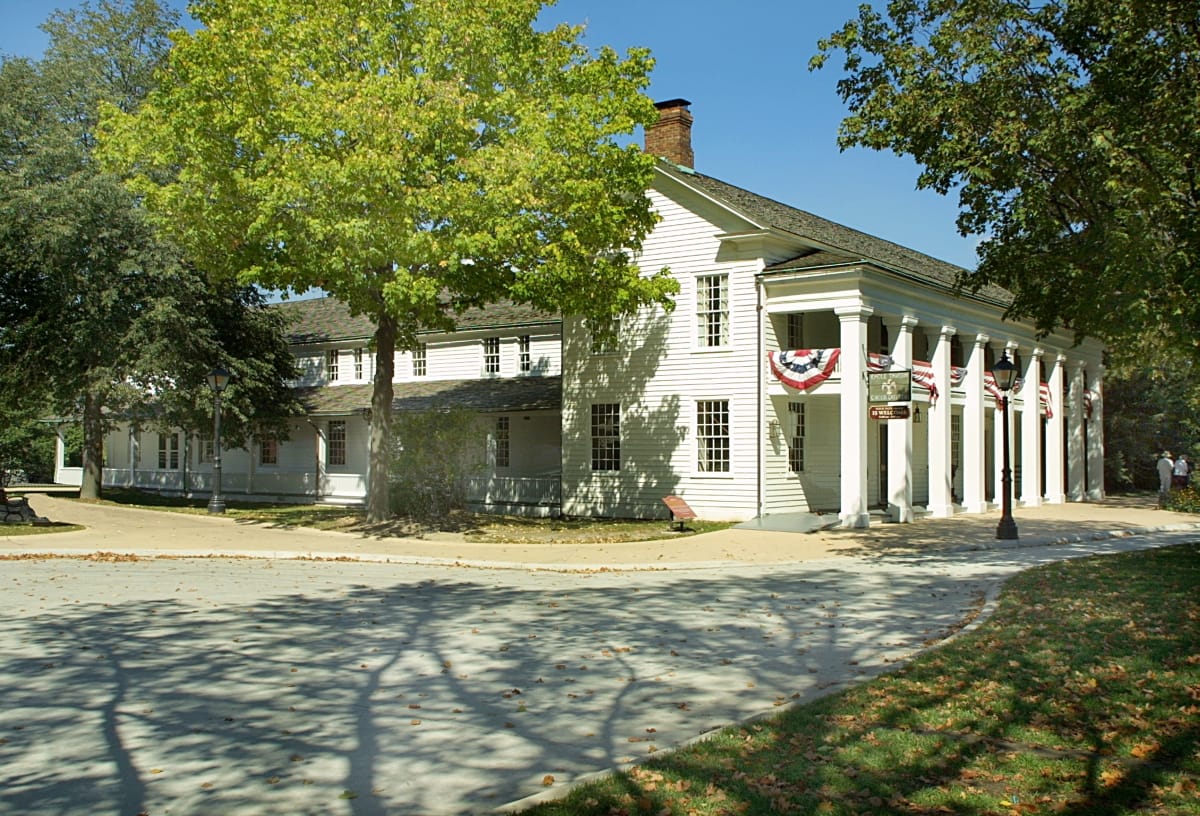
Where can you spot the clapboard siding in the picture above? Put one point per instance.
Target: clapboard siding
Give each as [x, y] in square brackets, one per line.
[658, 374]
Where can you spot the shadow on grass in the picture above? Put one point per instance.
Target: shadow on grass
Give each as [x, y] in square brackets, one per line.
[1081, 696]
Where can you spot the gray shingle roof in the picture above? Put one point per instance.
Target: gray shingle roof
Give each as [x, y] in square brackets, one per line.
[841, 243]
[508, 394]
[327, 320]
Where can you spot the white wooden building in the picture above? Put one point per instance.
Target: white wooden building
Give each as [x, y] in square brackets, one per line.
[690, 402]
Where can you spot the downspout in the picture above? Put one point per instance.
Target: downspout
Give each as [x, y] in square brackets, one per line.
[758, 366]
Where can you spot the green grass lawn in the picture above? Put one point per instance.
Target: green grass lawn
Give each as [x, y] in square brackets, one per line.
[1080, 696]
[480, 527]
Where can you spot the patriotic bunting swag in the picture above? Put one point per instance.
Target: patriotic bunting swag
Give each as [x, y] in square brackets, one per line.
[807, 368]
[804, 368]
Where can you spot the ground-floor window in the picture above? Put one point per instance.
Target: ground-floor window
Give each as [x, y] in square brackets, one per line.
[501, 442]
[712, 436]
[268, 451]
[204, 450]
[336, 449]
[796, 439]
[168, 451]
[606, 436]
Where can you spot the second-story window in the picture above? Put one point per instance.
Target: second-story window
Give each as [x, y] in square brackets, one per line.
[712, 311]
[358, 364]
[491, 355]
[524, 354]
[419, 360]
[331, 365]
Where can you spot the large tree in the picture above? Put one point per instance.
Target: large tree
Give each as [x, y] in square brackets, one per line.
[101, 319]
[410, 157]
[1071, 130]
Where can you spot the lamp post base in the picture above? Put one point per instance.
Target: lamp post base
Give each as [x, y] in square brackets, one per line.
[1006, 530]
[216, 505]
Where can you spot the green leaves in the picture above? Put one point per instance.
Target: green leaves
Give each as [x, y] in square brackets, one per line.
[1069, 130]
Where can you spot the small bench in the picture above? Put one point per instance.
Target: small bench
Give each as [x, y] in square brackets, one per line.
[680, 512]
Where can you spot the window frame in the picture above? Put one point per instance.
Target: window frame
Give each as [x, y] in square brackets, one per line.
[335, 443]
[524, 354]
[798, 430]
[714, 442]
[168, 451]
[606, 436]
[420, 360]
[331, 365]
[491, 355]
[713, 327]
[502, 442]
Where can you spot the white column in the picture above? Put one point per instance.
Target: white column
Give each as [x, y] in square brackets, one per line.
[941, 475]
[853, 321]
[973, 454]
[1055, 483]
[1095, 438]
[1075, 453]
[321, 488]
[1031, 431]
[900, 431]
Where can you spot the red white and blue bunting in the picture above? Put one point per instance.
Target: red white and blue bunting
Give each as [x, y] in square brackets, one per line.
[803, 369]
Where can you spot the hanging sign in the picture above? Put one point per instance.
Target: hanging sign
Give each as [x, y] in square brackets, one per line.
[889, 386]
[888, 411]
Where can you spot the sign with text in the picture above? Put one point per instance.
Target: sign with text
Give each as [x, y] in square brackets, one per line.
[889, 386]
[888, 411]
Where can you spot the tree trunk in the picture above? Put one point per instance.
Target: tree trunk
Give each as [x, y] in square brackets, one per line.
[93, 448]
[380, 456]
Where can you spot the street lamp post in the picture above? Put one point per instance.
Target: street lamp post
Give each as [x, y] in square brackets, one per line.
[1004, 372]
[218, 379]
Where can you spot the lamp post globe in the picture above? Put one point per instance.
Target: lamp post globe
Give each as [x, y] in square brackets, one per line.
[1004, 372]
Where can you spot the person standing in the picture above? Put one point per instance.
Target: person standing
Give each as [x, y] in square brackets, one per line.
[1166, 471]
[1181, 471]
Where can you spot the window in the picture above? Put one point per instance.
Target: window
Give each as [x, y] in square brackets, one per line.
[491, 355]
[336, 442]
[955, 442]
[331, 365]
[712, 310]
[606, 436]
[268, 451]
[795, 332]
[712, 436]
[204, 450]
[419, 358]
[525, 358]
[501, 442]
[796, 440]
[358, 364]
[605, 334]
[168, 451]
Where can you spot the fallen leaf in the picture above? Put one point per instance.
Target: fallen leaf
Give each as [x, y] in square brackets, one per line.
[548, 780]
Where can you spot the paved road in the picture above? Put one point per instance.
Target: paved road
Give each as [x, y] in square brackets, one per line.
[205, 686]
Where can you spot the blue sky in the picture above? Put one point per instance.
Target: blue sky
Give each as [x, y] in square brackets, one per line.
[763, 121]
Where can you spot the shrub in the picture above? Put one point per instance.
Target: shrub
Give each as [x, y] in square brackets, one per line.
[435, 453]
[1186, 500]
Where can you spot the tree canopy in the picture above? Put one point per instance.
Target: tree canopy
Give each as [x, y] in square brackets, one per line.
[101, 319]
[410, 158]
[1071, 131]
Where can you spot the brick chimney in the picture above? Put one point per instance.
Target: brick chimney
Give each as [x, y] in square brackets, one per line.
[671, 136]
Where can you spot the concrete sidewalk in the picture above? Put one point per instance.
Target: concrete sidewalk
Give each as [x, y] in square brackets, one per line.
[147, 533]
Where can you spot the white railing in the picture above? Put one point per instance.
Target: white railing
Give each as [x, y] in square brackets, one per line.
[515, 491]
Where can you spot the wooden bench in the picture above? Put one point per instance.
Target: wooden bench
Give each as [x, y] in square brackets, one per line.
[680, 512]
